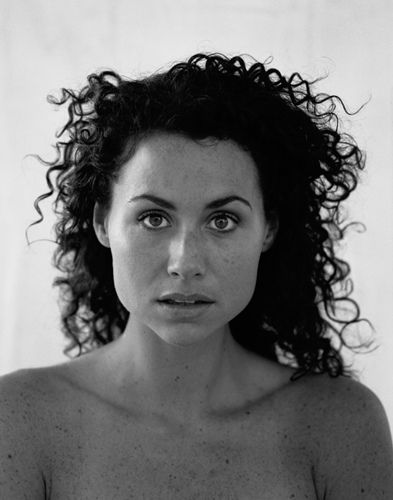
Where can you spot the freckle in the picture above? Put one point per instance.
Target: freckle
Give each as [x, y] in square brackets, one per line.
[362, 490]
[309, 427]
[9, 455]
[226, 461]
[247, 413]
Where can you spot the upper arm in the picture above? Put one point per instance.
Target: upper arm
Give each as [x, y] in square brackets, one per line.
[20, 472]
[355, 452]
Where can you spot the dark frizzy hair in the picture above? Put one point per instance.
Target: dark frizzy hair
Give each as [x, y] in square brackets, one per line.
[306, 168]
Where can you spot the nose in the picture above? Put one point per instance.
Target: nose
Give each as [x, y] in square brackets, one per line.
[186, 255]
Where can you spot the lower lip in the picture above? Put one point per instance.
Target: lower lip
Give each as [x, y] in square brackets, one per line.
[185, 309]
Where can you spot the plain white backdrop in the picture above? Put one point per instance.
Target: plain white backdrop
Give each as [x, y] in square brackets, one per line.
[49, 44]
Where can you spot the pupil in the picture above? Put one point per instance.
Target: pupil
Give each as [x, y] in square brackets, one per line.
[219, 224]
[154, 218]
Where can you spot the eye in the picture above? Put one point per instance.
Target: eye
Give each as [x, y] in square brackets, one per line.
[151, 214]
[154, 215]
[225, 215]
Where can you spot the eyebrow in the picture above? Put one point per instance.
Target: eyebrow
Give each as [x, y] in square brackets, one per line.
[213, 204]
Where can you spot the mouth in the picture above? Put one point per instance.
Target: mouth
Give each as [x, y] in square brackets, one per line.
[176, 303]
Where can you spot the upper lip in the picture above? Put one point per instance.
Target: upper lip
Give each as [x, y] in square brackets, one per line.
[180, 297]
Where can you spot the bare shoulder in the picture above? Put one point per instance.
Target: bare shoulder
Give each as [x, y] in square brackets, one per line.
[24, 399]
[22, 461]
[330, 390]
[340, 401]
[351, 436]
[341, 406]
[28, 399]
[27, 388]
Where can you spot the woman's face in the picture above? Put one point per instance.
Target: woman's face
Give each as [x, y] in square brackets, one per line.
[189, 248]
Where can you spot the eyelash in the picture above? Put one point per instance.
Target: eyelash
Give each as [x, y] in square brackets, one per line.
[160, 214]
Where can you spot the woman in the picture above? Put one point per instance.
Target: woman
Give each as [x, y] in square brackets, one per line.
[197, 214]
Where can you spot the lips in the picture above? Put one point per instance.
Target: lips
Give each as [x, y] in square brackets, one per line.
[189, 303]
[182, 312]
[179, 298]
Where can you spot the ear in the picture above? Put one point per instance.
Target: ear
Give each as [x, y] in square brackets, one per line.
[100, 224]
[271, 232]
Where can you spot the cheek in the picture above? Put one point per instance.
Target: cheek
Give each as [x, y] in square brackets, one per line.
[130, 266]
[240, 275]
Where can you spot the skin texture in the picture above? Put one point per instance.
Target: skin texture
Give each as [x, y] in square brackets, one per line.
[175, 408]
[183, 364]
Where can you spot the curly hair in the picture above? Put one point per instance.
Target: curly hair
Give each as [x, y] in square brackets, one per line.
[306, 168]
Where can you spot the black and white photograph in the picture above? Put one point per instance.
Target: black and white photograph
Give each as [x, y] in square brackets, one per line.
[149, 350]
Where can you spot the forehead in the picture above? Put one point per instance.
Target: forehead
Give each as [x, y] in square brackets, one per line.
[173, 163]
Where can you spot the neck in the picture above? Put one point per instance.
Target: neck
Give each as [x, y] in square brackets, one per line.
[181, 383]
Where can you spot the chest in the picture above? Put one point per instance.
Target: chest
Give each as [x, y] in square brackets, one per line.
[109, 457]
